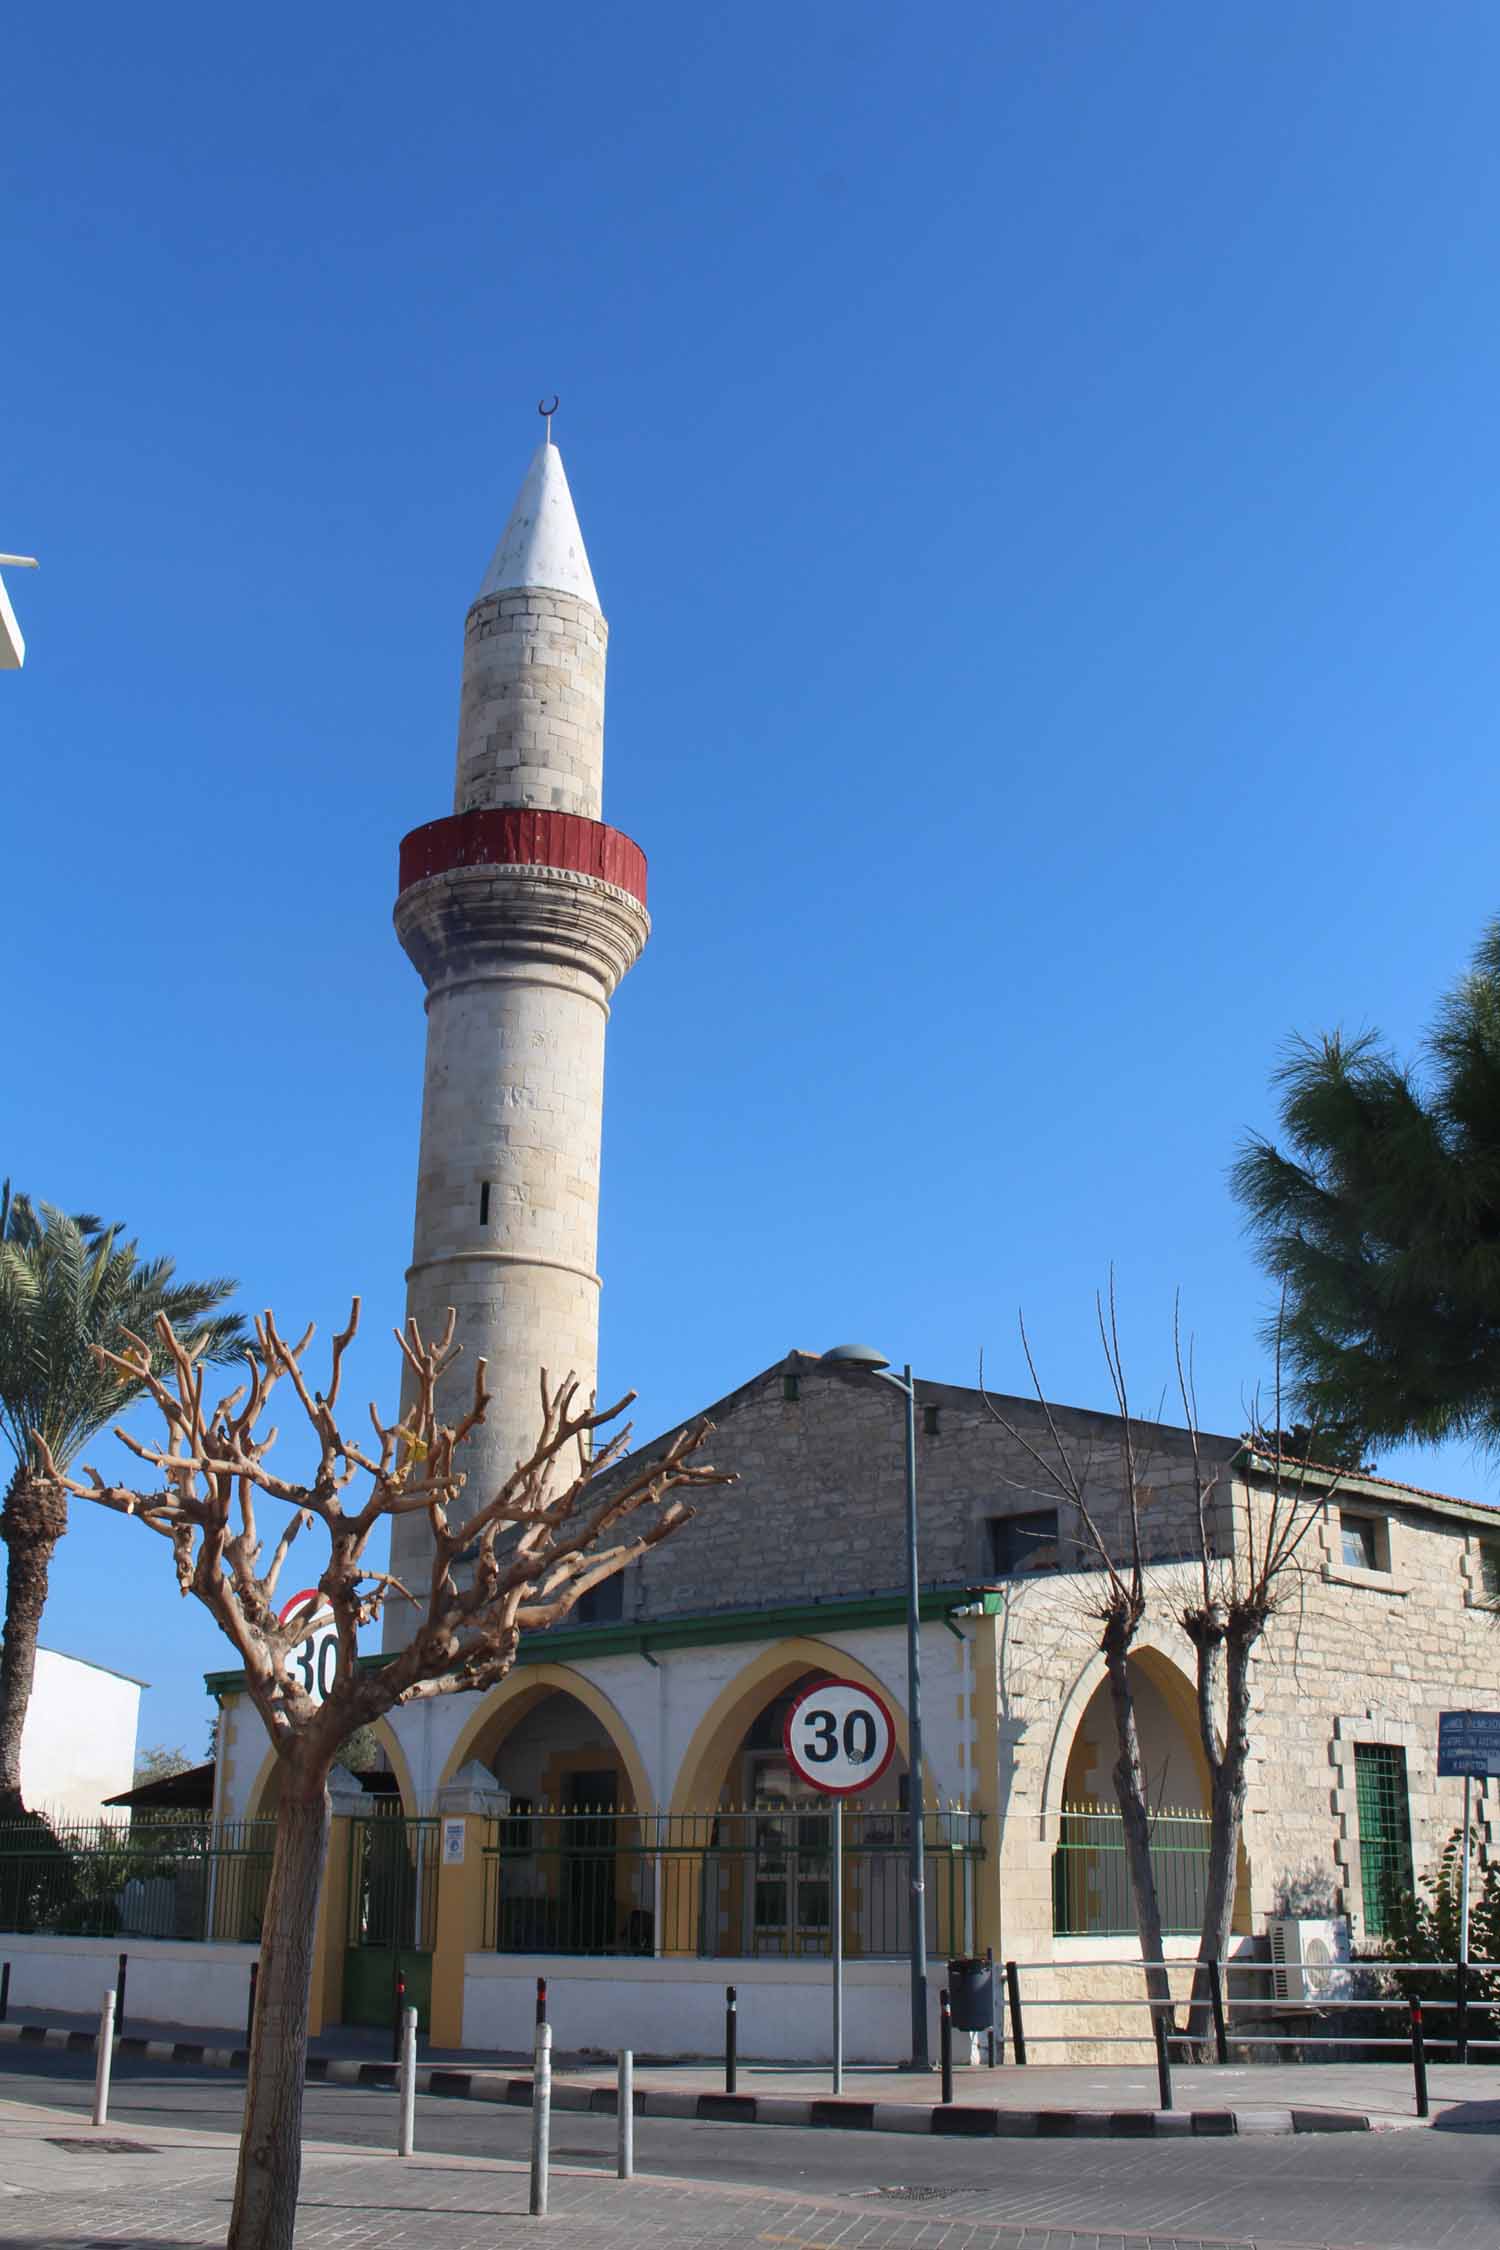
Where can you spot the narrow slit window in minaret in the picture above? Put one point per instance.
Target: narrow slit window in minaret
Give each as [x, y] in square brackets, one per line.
[484, 1203]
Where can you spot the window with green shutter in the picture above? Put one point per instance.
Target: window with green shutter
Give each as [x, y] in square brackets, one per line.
[1384, 1831]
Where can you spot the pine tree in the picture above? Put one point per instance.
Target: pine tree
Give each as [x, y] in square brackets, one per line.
[1380, 1217]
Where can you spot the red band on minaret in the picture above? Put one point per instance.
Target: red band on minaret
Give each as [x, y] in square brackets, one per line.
[516, 836]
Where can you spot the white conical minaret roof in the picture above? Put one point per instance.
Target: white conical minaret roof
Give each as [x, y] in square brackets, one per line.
[543, 545]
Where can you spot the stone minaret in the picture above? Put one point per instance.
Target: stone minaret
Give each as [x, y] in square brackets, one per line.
[521, 912]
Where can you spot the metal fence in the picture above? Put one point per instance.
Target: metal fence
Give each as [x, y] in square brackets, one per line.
[154, 1879]
[1248, 2009]
[724, 1885]
[1091, 1888]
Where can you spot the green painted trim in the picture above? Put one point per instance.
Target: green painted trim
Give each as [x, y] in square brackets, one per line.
[565, 1644]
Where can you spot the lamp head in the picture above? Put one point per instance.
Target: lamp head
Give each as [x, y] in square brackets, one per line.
[862, 1356]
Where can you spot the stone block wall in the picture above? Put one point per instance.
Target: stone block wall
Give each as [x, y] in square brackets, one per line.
[819, 1507]
[531, 714]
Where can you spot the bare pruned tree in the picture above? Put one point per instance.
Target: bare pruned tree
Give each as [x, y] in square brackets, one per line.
[517, 1562]
[1238, 1592]
[1117, 1610]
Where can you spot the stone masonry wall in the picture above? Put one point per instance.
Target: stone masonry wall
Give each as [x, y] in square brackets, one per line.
[531, 712]
[818, 1512]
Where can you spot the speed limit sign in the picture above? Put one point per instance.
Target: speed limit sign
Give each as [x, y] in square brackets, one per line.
[314, 1660]
[840, 1737]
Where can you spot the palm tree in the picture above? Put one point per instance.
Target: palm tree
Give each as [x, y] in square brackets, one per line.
[67, 1284]
[1381, 1219]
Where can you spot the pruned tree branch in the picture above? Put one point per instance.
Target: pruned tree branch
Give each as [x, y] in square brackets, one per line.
[519, 1561]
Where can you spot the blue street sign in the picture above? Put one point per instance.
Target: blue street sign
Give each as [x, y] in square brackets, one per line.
[1468, 1743]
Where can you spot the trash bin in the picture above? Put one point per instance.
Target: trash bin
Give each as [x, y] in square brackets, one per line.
[971, 1995]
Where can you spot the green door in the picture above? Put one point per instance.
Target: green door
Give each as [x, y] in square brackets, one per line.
[392, 1917]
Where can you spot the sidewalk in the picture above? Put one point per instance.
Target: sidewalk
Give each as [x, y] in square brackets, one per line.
[1042, 2099]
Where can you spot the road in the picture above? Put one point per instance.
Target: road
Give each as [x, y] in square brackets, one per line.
[1412, 2190]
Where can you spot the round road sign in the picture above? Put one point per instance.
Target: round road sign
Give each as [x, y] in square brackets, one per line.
[315, 1659]
[840, 1737]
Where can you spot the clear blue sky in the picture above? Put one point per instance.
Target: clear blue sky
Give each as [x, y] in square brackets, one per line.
[1039, 466]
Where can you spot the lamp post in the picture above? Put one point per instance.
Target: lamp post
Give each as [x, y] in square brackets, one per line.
[863, 1359]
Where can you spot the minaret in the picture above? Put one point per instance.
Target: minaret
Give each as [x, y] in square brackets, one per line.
[521, 912]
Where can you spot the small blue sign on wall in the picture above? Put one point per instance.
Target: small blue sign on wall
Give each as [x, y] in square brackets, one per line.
[1468, 1743]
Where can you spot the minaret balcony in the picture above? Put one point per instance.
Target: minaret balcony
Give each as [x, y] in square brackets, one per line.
[522, 836]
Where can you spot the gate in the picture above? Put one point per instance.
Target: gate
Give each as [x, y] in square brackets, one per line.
[393, 1872]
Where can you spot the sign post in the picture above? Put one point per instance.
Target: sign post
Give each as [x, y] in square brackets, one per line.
[317, 1654]
[1468, 1744]
[840, 1738]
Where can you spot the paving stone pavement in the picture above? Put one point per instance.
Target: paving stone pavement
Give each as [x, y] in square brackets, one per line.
[62, 2187]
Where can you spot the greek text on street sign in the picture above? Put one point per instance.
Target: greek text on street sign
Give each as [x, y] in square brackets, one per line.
[1468, 1743]
[840, 1737]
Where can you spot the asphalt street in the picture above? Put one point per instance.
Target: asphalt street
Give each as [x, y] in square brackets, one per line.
[1413, 2190]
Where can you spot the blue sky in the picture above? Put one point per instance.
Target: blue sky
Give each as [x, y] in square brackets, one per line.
[1038, 465]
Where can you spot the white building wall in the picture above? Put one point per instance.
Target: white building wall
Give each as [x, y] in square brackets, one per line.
[78, 1744]
[201, 1986]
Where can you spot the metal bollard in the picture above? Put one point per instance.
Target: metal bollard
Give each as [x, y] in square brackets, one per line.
[541, 2118]
[398, 2010]
[541, 1999]
[1013, 1993]
[625, 2109]
[250, 2009]
[1419, 2057]
[408, 2082]
[4, 1991]
[1216, 2001]
[103, 2058]
[945, 2044]
[120, 1997]
[1163, 2058]
[731, 2039]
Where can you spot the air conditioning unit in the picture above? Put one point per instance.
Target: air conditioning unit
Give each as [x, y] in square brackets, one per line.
[1310, 1961]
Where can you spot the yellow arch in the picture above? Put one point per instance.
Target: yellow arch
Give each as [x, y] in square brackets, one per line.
[263, 1796]
[528, 1685]
[723, 1727]
[1169, 1667]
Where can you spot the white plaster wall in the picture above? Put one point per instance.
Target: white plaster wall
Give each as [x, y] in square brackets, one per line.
[203, 1986]
[676, 2008]
[78, 1744]
[662, 1705]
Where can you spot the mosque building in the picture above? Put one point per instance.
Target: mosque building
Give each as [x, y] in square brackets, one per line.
[620, 1814]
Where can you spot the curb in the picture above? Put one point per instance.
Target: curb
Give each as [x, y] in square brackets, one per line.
[826, 2113]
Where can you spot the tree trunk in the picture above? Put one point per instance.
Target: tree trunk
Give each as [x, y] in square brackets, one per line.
[34, 1518]
[270, 2168]
[1229, 1768]
[1130, 1793]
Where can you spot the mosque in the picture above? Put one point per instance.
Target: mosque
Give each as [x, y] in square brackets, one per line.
[620, 1815]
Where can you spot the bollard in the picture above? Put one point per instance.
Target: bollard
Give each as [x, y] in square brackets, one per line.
[408, 2082]
[398, 2010]
[731, 2039]
[541, 2117]
[4, 1991]
[120, 1998]
[625, 2110]
[250, 2009]
[1216, 1999]
[1013, 1992]
[106, 2049]
[1163, 2059]
[541, 2000]
[1419, 2057]
[945, 2043]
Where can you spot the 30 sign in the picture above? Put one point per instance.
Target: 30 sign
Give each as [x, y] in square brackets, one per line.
[840, 1737]
[315, 1658]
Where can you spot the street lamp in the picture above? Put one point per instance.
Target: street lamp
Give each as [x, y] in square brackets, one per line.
[863, 1360]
